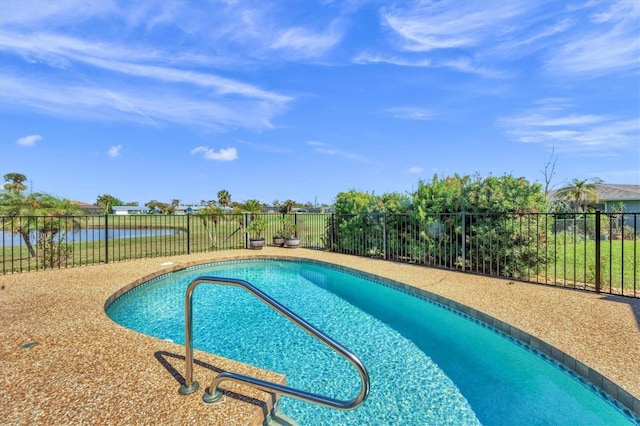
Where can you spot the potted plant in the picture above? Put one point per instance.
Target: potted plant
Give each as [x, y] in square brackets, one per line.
[278, 237]
[255, 230]
[289, 229]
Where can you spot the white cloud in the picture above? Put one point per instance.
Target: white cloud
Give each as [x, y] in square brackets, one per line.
[59, 51]
[36, 12]
[114, 151]
[589, 134]
[29, 140]
[596, 38]
[408, 113]
[609, 43]
[415, 170]
[225, 154]
[369, 58]
[460, 64]
[597, 54]
[300, 42]
[325, 149]
[133, 84]
[131, 103]
[450, 24]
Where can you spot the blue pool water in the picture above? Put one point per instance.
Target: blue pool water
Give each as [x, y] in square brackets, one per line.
[428, 365]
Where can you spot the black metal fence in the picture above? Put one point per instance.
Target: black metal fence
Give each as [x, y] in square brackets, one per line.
[591, 251]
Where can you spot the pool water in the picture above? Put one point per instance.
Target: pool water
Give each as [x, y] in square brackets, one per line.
[428, 365]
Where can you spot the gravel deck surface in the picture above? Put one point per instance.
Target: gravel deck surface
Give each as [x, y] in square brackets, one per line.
[87, 369]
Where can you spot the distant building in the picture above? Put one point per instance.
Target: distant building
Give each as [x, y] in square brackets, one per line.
[296, 210]
[610, 196]
[186, 210]
[86, 207]
[128, 210]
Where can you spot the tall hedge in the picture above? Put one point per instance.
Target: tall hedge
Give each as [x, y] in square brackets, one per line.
[498, 231]
[468, 222]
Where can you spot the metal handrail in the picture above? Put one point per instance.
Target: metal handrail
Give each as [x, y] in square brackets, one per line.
[212, 393]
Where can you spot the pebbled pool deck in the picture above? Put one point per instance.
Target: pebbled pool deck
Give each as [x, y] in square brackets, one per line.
[84, 368]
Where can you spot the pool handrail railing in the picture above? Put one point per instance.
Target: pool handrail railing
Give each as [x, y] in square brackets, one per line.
[213, 394]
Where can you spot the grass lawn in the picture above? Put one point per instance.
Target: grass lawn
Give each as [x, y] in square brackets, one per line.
[576, 263]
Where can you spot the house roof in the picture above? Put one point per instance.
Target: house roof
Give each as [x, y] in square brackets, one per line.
[616, 192]
[611, 192]
[85, 206]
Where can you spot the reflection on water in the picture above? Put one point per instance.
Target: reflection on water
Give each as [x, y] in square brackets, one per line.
[7, 239]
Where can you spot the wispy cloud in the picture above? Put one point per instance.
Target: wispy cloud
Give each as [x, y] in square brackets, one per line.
[593, 39]
[128, 80]
[446, 24]
[114, 151]
[461, 64]
[370, 58]
[224, 154]
[29, 140]
[301, 42]
[37, 13]
[61, 51]
[609, 43]
[415, 170]
[326, 149]
[410, 113]
[552, 124]
[131, 103]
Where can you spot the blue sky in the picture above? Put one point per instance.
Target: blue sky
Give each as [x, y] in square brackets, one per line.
[276, 100]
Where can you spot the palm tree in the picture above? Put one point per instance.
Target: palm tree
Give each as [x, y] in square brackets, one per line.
[579, 194]
[224, 198]
[152, 206]
[252, 207]
[287, 206]
[210, 214]
[38, 213]
[14, 182]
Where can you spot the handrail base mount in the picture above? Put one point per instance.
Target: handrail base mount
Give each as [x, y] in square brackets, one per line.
[210, 398]
[189, 389]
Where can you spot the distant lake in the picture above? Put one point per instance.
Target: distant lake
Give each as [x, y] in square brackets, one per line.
[7, 239]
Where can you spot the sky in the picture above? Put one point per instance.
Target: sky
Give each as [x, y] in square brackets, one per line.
[302, 100]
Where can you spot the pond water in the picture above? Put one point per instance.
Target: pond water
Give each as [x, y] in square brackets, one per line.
[7, 239]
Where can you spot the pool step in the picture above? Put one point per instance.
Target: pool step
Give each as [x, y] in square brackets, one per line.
[278, 418]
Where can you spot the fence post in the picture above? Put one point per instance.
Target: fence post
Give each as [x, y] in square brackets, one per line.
[188, 233]
[384, 236]
[332, 235]
[464, 240]
[245, 219]
[106, 238]
[597, 232]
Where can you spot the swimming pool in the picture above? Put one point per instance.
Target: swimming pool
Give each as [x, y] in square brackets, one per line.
[428, 364]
